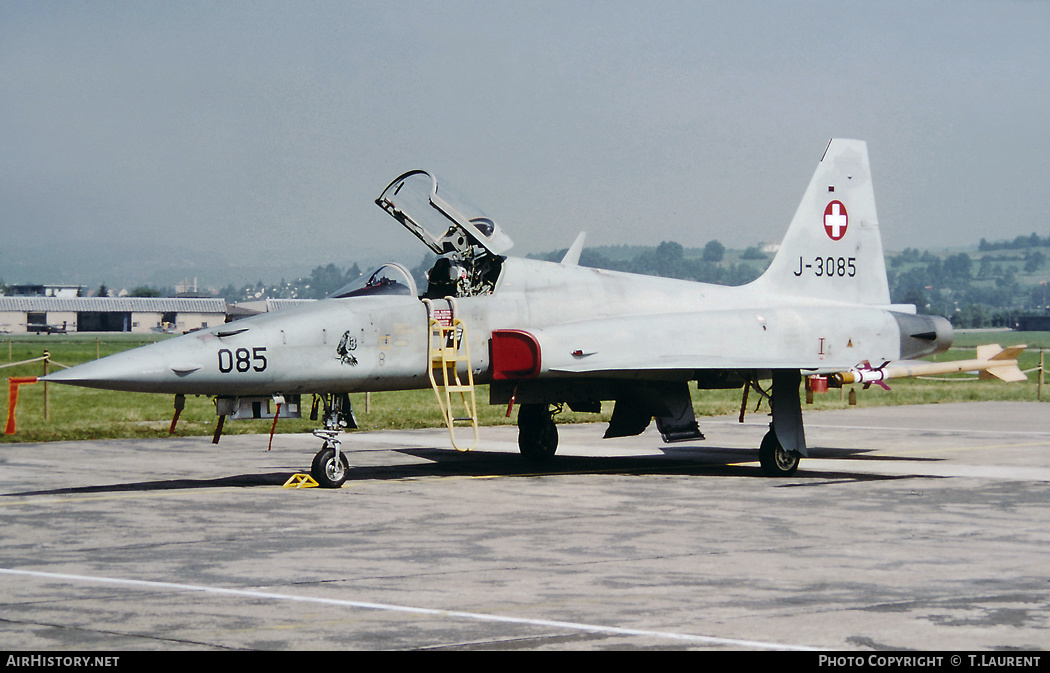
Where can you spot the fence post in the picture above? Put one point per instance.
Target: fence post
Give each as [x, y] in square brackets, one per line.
[47, 391]
[1042, 373]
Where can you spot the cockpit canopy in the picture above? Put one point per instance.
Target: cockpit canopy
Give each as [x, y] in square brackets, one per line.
[389, 279]
[441, 217]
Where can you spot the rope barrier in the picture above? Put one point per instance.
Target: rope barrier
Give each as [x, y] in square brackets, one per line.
[27, 362]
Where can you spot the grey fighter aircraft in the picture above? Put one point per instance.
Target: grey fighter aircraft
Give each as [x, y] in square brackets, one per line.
[545, 334]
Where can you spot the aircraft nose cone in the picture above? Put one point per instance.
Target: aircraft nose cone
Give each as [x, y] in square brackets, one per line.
[154, 368]
[124, 371]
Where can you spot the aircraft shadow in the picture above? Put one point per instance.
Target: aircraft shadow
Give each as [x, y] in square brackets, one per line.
[866, 454]
[706, 461]
[444, 462]
[241, 480]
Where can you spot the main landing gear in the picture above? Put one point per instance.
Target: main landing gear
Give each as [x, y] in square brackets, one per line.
[537, 432]
[776, 461]
[538, 441]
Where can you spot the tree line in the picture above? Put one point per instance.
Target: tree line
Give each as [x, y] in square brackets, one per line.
[1019, 243]
[983, 293]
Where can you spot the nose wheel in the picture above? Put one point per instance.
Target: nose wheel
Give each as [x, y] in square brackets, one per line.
[330, 466]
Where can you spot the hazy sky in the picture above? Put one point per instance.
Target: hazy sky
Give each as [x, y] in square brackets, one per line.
[261, 132]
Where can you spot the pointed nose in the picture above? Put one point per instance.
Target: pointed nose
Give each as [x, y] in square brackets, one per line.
[171, 366]
[139, 370]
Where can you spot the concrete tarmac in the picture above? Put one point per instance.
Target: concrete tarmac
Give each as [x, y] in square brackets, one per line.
[910, 528]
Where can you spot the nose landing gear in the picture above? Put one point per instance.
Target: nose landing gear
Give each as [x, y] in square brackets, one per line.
[330, 467]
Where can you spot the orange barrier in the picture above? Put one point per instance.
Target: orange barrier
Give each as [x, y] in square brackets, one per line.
[12, 399]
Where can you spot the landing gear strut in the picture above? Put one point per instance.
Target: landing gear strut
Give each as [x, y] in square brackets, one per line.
[330, 467]
[537, 432]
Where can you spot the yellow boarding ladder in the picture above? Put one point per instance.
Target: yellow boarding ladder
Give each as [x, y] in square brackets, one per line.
[446, 348]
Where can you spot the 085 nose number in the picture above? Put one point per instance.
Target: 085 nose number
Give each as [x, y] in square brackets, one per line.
[242, 360]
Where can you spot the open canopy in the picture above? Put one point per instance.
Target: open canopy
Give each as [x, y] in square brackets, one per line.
[442, 218]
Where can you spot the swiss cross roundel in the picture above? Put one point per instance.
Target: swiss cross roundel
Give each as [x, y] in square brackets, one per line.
[835, 220]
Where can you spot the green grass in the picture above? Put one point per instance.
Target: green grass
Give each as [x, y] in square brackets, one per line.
[81, 413]
[971, 338]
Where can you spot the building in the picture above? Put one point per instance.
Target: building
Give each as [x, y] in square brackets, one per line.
[1031, 323]
[20, 315]
[64, 291]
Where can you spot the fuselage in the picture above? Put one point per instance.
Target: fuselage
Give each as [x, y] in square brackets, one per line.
[373, 343]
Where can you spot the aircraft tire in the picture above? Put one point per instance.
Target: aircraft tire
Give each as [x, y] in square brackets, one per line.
[775, 461]
[326, 471]
[537, 433]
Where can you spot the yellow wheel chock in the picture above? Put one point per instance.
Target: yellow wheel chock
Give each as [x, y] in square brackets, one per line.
[301, 481]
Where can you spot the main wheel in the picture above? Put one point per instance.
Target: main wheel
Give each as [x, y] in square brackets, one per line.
[537, 433]
[327, 471]
[775, 460]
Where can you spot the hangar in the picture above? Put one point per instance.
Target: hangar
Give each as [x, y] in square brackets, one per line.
[1031, 323]
[20, 315]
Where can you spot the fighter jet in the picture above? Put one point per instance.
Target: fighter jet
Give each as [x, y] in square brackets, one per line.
[545, 334]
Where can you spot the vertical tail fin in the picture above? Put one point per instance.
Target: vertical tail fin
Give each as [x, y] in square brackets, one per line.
[833, 249]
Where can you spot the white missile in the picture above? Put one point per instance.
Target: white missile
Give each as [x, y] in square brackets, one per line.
[992, 361]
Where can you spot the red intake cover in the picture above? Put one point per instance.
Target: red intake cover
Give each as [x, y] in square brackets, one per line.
[515, 355]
